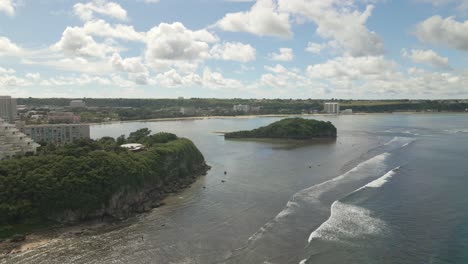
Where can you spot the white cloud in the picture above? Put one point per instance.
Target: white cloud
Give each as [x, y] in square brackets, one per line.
[314, 48]
[7, 7]
[208, 79]
[285, 54]
[427, 57]
[12, 80]
[447, 32]
[87, 11]
[353, 68]
[460, 4]
[34, 76]
[341, 21]
[132, 65]
[75, 64]
[8, 48]
[234, 51]
[215, 80]
[103, 29]
[76, 43]
[263, 19]
[6, 70]
[280, 77]
[175, 42]
[175, 45]
[151, 1]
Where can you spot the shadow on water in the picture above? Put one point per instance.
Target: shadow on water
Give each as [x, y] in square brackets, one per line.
[286, 144]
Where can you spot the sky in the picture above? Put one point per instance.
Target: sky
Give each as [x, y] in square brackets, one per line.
[348, 49]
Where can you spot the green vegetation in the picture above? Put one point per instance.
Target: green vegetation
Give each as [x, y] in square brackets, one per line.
[111, 109]
[289, 128]
[83, 176]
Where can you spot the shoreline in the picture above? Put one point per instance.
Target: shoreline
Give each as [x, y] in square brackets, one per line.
[257, 116]
[46, 235]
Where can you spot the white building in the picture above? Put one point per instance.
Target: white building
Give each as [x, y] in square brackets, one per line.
[77, 104]
[8, 110]
[133, 146]
[56, 133]
[13, 142]
[241, 108]
[332, 108]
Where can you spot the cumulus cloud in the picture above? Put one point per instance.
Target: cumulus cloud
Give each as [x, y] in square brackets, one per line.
[447, 32]
[7, 7]
[207, 79]
[284, 54]
[8, 48]
[234, 51]
[6, 70]
[103, 29]
[263, 19]
[174, 44]
[340, 21]
[87, 11]
[133, 65]
[426, 57]
[75, 42]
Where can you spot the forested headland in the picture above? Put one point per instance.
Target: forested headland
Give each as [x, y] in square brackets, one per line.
[91, 179]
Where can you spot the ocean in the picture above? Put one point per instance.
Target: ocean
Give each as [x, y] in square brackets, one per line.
[391, 189]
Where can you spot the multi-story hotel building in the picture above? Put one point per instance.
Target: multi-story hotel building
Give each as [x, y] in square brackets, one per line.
[13, 142]
[56, 133]
[8, 109]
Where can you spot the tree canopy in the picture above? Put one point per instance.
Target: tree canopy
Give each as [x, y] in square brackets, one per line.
[289, 128]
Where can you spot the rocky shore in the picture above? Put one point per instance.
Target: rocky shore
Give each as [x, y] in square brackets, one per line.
[123, 206]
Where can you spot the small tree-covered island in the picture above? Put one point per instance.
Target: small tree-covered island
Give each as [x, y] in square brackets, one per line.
[93, 179]
[289, 128]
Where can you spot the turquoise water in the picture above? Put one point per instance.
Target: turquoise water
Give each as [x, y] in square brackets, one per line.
[391, 189]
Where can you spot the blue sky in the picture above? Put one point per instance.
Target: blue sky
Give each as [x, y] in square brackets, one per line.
[359, 49]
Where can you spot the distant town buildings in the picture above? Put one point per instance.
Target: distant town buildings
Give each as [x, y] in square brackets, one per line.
[77, 104]
[14, 143]
[63, 117]
[55, 133]
[332, 108]
[8, 110]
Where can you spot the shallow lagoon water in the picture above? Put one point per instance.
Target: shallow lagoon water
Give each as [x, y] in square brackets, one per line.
[390, 189]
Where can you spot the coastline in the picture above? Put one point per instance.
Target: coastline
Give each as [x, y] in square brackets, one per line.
[256, 116]
[46, 235]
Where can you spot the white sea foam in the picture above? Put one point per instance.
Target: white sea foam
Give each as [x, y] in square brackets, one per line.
[456, 131]
[382, 180]
[312, 194]
[393, 140]
[304, 261]
[347, 221]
